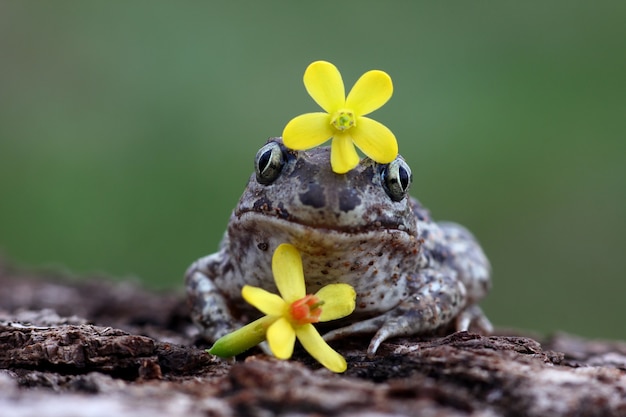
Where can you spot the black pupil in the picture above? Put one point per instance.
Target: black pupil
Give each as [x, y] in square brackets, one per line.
[264, 160]
[404, 178]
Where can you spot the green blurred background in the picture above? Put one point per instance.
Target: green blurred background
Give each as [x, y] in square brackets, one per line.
[128, 131]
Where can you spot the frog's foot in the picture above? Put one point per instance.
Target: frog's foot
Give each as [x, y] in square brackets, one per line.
[401, 321]
[437, 300]
[385, 326]
[208, 307]
[473, 318]
[404, 320]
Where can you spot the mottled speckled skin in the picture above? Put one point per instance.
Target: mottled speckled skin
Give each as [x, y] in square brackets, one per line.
[411, 275]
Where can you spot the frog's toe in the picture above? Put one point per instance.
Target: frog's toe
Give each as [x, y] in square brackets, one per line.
[397, 326]
[362, 327]
[473, 318]
[265, 347]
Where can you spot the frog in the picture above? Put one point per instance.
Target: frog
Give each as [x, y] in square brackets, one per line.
[412, 275]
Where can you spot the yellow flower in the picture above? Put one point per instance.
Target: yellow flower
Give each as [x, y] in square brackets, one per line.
[344, 119]
[290, 315]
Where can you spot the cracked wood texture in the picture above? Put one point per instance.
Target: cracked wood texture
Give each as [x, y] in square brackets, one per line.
[102, 348]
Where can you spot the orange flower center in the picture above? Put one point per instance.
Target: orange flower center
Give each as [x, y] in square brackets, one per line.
[306, 310]
[343, 119]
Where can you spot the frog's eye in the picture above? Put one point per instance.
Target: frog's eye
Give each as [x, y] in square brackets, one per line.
[268, 163]
[397, 179]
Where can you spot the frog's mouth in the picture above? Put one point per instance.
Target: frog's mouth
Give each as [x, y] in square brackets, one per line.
[282, 221]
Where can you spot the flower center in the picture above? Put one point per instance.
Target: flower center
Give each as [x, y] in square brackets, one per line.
[343, 119]
[306, 310]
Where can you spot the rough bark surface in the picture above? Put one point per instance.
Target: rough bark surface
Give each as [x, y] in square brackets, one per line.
[102, 348]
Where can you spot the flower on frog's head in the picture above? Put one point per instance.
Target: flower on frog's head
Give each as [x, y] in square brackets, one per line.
[290, 315]
[344, 119]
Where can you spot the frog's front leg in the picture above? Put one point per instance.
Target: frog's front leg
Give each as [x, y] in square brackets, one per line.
[435, 298]
[209, 309]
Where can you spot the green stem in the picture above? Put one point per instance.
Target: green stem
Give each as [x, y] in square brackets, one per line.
[242, 339]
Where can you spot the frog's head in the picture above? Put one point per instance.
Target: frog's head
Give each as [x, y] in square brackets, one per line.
[300, 187]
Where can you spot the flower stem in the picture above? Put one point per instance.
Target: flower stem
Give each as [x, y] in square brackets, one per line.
[242, 339]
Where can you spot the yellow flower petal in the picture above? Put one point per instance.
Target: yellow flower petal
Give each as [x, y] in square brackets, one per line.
[343, 156]
[370, 92]
[324, 84]
[281, 337]
[319, 349]
[266, 302]
[339, 301]
[375, 140]
[288, 273]
[307, 130]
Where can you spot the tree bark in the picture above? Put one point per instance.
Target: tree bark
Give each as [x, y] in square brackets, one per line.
[102, 348]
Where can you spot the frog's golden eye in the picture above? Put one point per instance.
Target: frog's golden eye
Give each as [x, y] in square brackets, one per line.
[268, 163]
[397, 178]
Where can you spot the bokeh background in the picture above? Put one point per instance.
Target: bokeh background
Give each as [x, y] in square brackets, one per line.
[128, 131]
